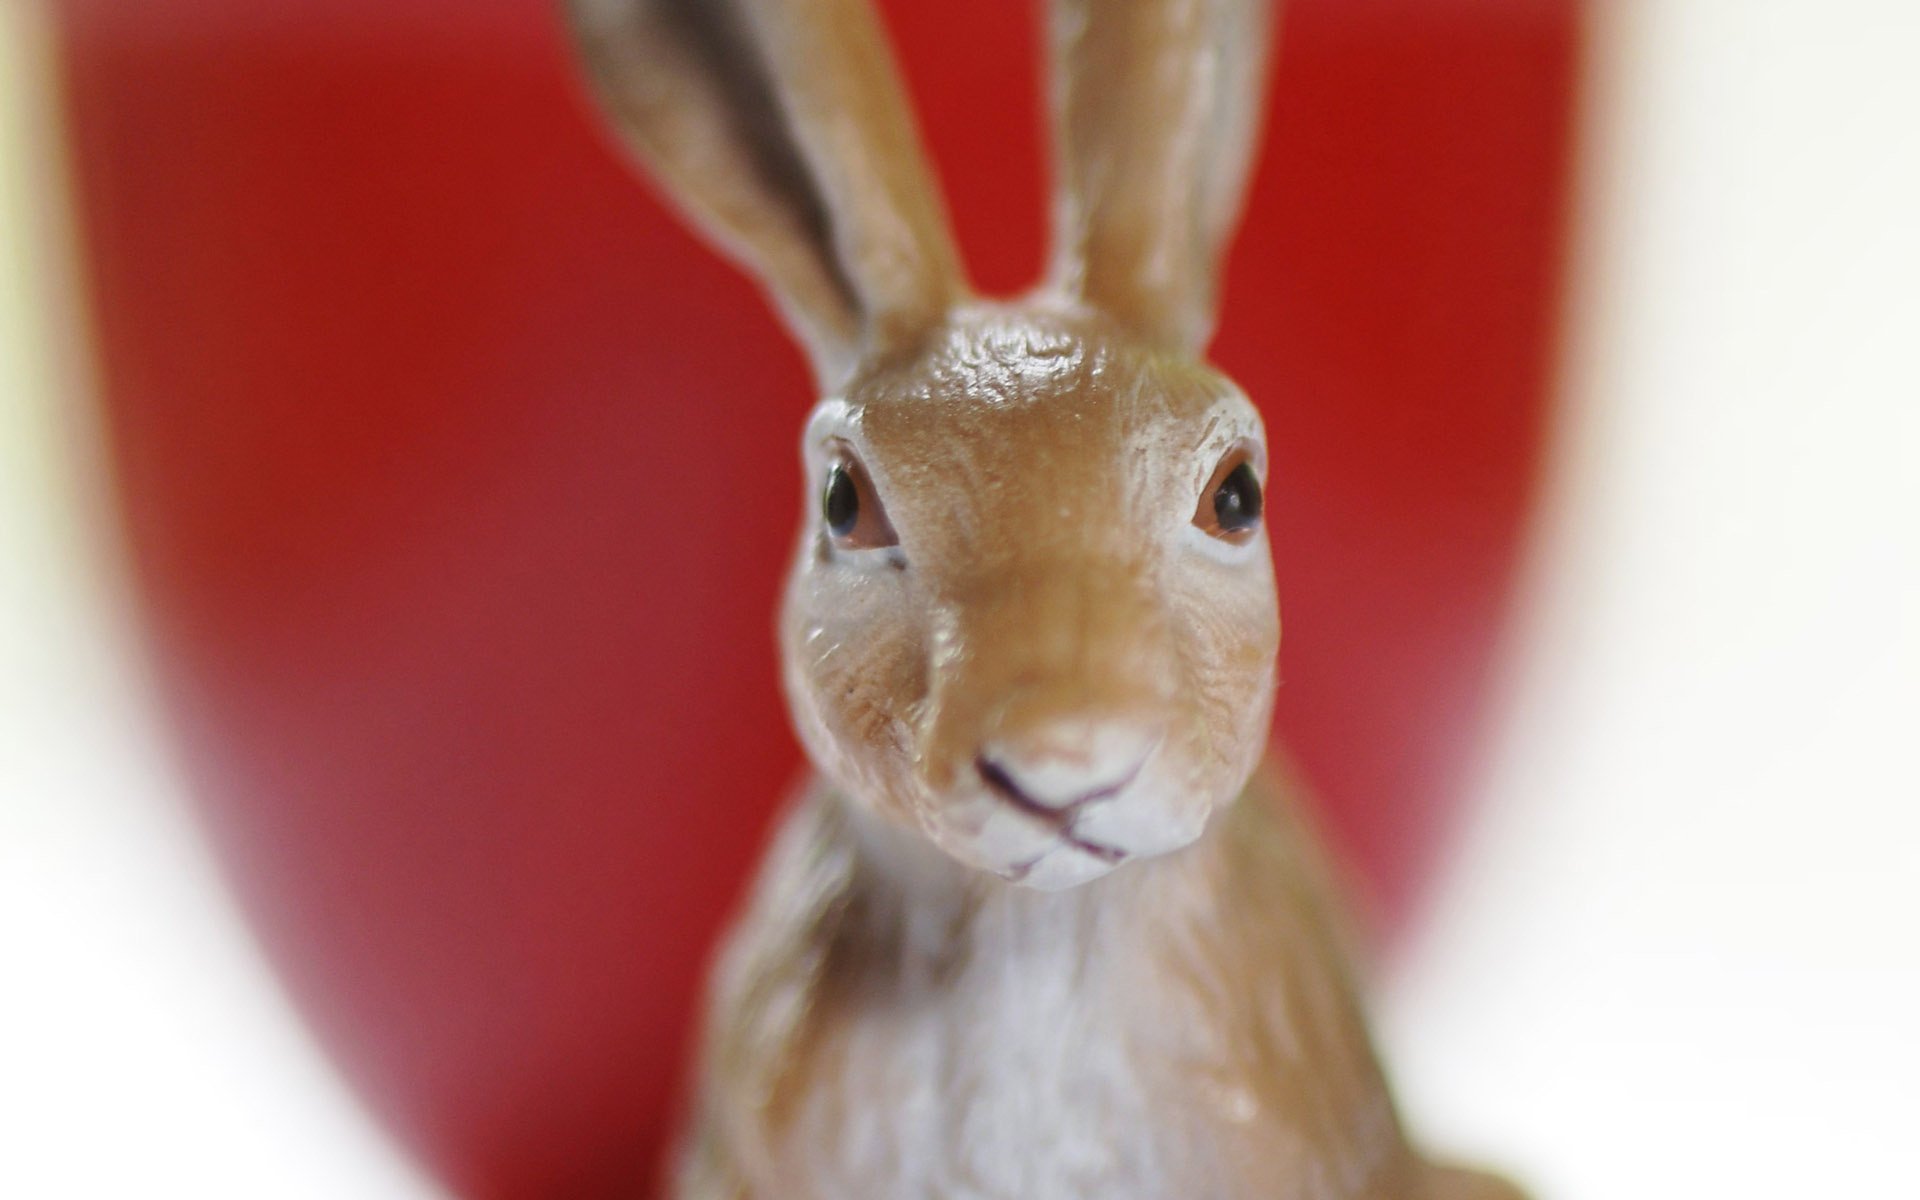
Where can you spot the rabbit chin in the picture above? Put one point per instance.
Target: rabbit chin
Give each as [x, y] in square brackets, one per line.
[984, 832]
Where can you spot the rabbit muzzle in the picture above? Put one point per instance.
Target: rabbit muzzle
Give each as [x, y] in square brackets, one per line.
[1049, 750]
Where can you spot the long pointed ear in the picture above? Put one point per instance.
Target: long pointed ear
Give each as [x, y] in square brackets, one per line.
[783, 132]
[1156, 110]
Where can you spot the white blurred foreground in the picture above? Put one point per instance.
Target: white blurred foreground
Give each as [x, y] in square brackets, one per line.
[144, 1050]
[1680, 954]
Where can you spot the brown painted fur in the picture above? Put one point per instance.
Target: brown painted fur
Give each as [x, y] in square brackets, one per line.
[1025, 939]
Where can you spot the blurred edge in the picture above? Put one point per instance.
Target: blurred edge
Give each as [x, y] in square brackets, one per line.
[144, 1047]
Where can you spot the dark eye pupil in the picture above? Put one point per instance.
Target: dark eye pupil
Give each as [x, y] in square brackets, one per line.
[1236, 504]
[841, 506]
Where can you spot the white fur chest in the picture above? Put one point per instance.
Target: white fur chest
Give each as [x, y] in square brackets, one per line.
[1009, 1067]
[1130, 1039]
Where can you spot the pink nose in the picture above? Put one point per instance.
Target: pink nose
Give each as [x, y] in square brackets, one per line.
[1069, 766]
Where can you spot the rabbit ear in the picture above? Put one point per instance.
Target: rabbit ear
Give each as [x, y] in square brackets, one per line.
[1156, 109]
[782, 129]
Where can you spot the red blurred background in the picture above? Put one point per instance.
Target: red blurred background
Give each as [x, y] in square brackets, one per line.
[419, 404]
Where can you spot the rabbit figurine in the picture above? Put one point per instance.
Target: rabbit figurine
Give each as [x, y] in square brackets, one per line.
[1040, 930]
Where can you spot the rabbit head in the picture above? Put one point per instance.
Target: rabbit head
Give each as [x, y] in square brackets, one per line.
[1032, 611]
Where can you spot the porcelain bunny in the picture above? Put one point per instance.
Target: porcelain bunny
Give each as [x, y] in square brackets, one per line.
[1033, 934]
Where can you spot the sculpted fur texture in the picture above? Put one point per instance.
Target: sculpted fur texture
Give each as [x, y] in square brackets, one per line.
[1048, 622]
[1041, 929]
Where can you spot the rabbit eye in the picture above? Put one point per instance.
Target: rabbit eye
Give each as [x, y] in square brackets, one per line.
[1236, 502]
[841, 507]
[849, 509]
[1231, 504]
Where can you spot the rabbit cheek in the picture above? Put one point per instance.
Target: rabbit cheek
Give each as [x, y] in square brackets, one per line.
[855, 676]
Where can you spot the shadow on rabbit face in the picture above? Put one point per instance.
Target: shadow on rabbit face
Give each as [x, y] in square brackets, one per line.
[1033, 609]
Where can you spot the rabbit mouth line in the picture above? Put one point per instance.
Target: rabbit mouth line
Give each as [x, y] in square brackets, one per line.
[1112, 856]
[1059, 817]
[1062, 821]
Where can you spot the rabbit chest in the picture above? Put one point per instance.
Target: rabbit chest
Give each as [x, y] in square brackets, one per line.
[1120, 1040]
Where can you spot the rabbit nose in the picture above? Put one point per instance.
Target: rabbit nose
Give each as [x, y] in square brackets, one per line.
[1067, 767]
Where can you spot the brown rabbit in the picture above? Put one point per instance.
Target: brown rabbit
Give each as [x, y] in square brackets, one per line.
[1026, 938]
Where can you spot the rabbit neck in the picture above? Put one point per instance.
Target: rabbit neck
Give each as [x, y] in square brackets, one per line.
[1185, 1022]
[1249, 904]
[897, 1025]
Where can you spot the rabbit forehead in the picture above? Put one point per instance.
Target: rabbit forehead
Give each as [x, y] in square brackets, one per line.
[987, 360]
[1007, 406]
